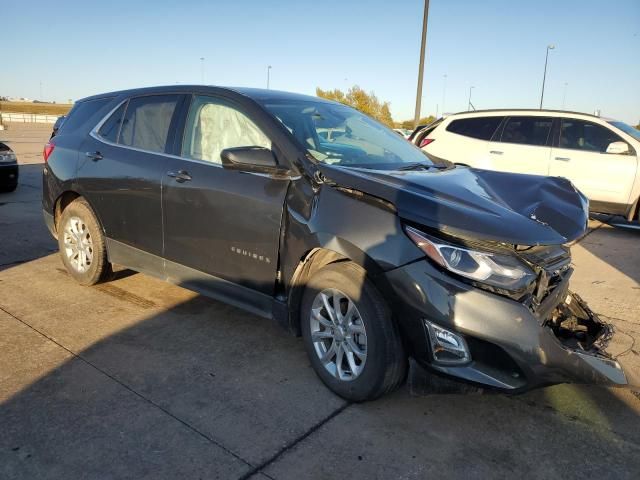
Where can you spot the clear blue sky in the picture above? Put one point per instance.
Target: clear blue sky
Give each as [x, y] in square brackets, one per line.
[78, 48]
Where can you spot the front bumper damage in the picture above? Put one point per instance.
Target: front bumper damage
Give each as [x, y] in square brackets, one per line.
[512, 346]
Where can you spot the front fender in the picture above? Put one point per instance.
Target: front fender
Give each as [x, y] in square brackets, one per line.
[367, 233]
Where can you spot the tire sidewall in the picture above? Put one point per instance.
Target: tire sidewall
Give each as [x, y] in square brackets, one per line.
[373, 312]
[80, 209]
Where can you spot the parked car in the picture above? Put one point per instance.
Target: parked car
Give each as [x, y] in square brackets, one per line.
[598, 155]
[402, 132]
[8, 169]
[363, 246]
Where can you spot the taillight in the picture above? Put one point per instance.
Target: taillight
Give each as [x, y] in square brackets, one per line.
[426, 141]
[48, 150]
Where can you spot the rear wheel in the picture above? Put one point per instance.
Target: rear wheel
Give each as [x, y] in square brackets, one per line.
[82, 244]
[9, 188]
[349, 335]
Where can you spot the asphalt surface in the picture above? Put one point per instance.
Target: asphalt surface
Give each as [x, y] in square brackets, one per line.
[141, 379]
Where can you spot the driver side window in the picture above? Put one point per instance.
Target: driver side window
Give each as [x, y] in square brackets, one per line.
[213, 125]
[582, 135]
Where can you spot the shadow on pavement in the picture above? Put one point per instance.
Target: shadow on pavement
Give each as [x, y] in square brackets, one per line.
[138, 378]
[23, 234]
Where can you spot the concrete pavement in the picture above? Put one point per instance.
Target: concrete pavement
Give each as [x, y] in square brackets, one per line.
[137, 378]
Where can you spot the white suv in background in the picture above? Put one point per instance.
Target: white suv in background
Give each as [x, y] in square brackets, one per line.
[600, 156]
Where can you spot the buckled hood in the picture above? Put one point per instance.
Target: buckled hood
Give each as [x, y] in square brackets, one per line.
[479, 204]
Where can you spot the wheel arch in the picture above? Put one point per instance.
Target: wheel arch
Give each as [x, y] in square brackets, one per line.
[64, 200]
[313, 260]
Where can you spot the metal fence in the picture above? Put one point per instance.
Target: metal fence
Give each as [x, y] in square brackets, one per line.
[27, 118]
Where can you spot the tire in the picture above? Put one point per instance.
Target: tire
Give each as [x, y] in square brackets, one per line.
[384, 366]
[8, 188]
[78, 224]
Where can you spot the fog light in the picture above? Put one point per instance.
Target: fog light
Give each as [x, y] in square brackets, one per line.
[446, 346]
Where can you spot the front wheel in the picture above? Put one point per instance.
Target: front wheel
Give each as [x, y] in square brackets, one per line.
[349, 334]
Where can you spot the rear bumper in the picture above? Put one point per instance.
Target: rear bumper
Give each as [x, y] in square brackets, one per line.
[511, 348]
[9, 175]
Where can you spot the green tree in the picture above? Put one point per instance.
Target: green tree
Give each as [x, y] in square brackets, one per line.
[408, 124]
[359, 99]
[638, 126]
[385, 115]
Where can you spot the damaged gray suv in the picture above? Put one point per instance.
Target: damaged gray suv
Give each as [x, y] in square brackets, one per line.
[310, 213]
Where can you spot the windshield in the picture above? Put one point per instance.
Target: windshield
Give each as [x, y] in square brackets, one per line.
[340, 135]
[627, 129]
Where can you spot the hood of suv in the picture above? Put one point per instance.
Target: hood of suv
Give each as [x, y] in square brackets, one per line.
[478, 204]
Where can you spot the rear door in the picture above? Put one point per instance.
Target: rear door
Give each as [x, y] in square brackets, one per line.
[462, 140]
[122, 164]
[580, 155]
[523, 145]
[221, 223]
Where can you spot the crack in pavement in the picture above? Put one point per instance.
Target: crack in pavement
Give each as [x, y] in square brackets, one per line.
[254, 469]
[296, 441]
[139, 395]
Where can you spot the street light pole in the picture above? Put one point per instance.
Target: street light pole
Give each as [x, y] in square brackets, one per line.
[469, 103]
[544, 76]
[201, 69]
[444, 91]
[268, 75]
[423, 46]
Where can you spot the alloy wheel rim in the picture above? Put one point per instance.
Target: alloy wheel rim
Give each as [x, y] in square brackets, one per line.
[338, 334]
[78, 244]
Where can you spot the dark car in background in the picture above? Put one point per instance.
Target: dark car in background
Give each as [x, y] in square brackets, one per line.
[8, 169]
[361, 243]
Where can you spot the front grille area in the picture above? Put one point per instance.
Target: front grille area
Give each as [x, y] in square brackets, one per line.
[553, 265]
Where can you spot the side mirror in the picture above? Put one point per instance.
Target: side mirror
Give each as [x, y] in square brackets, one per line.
[252, 159]
[618, 147]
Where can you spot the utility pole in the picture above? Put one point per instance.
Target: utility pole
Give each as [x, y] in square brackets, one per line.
[469, 104]
[444, 90]
[423, 47]
[544, 76]
[268, 75]
[202, 70]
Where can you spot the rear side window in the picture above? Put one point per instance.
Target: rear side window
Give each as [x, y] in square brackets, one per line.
[111, 128]
[581, 135]
[146, 122]
[527, 130]
[81, 113]
[481, 128]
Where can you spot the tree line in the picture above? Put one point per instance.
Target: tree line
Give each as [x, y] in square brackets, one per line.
[369, 104]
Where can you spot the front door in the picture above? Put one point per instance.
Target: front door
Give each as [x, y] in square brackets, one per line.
[580, 156]
[523, 146]
[218, 222]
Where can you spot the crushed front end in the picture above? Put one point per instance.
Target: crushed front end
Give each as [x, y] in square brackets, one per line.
[540, 335]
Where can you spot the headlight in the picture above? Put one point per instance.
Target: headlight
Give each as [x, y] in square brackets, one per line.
[501, 271]
[7, 157]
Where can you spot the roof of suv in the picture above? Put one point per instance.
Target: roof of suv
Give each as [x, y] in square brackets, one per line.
[254, 93]
[511, 111]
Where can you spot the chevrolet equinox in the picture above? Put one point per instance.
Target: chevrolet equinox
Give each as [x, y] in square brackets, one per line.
[310, 213]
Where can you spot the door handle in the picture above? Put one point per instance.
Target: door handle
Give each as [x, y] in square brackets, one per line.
[563, 159]
[496, 152]
[181, 176]
[95, 156]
